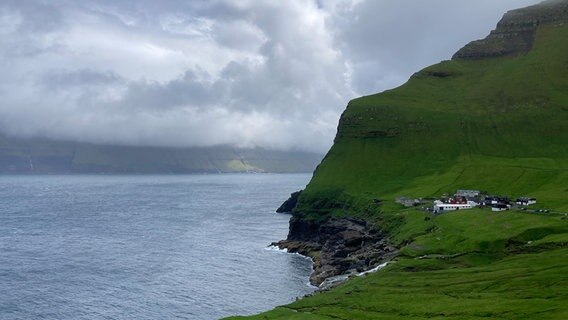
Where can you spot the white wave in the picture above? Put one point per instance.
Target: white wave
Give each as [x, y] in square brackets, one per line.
[375, 269]
[331, 282]
[276, 248]
[285, 250]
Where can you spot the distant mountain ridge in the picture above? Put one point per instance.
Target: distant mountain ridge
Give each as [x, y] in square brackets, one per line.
[44, 156]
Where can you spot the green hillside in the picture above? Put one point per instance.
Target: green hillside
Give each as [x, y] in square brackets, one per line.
[493, 118]
[31, 156]
[495, 124]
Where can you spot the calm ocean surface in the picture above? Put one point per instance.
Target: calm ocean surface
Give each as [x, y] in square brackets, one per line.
[145, 247]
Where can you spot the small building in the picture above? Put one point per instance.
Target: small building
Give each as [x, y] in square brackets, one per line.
[441, 207]
[500, 207]
[496, 200]
[525, 201]
[457, 200]
[407, 202]
[474, 199]
[468, 193]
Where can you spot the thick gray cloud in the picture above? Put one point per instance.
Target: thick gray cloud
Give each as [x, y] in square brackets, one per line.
[274, 74]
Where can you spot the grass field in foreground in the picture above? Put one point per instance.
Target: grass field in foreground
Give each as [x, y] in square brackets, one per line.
[524, 286]
[473, 265]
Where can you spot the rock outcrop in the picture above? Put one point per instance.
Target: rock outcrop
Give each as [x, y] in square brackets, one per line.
[290, 204]
[515, 33]
[337, 245]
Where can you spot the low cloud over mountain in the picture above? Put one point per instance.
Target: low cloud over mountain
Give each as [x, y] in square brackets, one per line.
[273, 74]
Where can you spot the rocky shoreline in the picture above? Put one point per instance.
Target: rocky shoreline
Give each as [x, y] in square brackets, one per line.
[337, 246]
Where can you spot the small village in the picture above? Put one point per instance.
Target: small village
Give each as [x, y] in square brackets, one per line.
[468, 199]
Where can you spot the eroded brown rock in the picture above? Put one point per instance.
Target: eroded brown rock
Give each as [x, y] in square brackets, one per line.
[337, 245]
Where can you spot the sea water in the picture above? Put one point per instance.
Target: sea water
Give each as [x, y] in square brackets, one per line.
[146, 247]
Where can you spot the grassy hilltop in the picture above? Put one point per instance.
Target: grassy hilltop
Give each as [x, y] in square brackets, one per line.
[493, 118]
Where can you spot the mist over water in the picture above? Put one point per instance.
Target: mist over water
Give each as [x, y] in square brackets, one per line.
[145, 247]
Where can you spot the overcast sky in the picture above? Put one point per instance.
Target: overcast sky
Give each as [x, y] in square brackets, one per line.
[274, 74]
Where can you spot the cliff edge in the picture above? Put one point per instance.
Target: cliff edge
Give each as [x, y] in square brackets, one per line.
[515, 33]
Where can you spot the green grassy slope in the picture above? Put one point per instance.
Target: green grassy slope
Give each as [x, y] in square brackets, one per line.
[495, 124]
[471, 265]
[519, 287]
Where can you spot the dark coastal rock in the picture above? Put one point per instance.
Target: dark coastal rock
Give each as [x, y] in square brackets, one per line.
[515, 33]
[290, 204]
[338, 246]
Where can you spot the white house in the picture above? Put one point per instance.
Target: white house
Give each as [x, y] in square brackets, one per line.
[526, 201]
[500, 207]
[440, 207]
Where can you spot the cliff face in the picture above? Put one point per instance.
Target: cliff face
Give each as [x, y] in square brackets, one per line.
[493, 118]
[515, 33]
[337, 245]
[290, 204]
